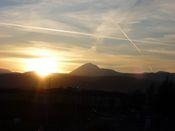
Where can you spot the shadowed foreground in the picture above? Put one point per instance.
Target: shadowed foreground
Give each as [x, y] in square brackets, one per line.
[72, 109]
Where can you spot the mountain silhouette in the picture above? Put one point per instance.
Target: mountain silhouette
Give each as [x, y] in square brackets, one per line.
[4, 71]
[90, 69]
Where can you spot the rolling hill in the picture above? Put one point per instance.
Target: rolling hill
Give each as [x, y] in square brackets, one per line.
[87, 77]
[4, 71]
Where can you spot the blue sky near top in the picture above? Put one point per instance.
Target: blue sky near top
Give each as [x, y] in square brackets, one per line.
[80, 31]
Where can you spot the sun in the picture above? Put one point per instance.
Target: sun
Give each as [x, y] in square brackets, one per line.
[44, 63]
[43, 66]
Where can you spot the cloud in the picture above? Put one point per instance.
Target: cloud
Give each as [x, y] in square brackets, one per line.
[164, 52]
[5, 36]
[6, 3]
[16, 55]
[88, 30]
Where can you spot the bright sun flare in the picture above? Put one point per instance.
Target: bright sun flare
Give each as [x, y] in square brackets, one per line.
[43, 66]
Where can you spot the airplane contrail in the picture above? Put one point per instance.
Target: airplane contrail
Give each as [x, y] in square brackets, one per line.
[58, 30]
[83, 34]
[86, 34]
[46, 29]
[134, 45]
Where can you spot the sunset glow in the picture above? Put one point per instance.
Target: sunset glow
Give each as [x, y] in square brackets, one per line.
[135, 36]
[42, 66]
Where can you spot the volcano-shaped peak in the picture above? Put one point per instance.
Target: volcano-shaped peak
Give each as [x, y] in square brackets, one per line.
[90, 66]
[90, 69]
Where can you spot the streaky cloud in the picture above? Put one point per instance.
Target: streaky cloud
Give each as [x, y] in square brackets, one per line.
[77, 33]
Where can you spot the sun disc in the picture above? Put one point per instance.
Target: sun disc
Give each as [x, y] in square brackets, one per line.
[43, 66]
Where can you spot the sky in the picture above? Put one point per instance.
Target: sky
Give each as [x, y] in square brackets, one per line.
[127, 36]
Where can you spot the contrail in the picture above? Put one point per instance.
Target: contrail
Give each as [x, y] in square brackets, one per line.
[87, 35]
[59, 30]
[46, 29]
[134, 45]
[84, 34]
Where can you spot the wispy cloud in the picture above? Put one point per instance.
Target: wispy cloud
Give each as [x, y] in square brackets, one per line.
[77, 28]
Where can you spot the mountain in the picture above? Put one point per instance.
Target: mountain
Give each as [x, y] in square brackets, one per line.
[90, 69]
[4, 71]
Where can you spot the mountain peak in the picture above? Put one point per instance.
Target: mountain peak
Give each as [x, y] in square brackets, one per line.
[89, 66]
[90, 69]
